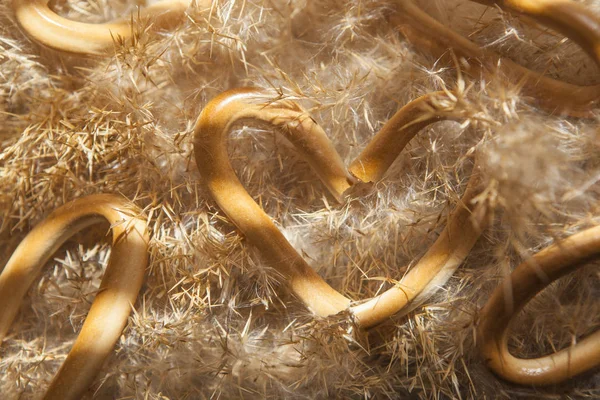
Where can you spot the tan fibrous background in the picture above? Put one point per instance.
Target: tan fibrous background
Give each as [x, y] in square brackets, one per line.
[212, 321]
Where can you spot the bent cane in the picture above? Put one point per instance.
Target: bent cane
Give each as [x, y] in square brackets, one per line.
[515, 292]
[210, 147]
[117, 293]
[46, 27]
[553, 96]
[572, 19]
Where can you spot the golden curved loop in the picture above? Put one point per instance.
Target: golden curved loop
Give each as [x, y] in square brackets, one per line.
[567, 17]
[117, 293]
[210, 146]
[462, 230]
[515, 292]
[58, 33]
[551, 95]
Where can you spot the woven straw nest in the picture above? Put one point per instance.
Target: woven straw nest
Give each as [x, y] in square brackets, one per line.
[212, 320]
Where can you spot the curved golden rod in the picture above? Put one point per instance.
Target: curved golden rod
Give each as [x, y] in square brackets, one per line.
[518, 289]
[571, 19]
[462, 230]
[118, 291]
[552, 95]
[58, 33]
[210, 146]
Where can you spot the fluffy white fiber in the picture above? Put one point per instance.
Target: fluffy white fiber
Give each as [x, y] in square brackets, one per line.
[212, 321]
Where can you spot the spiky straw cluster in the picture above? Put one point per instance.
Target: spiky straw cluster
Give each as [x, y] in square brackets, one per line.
[212, 320]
